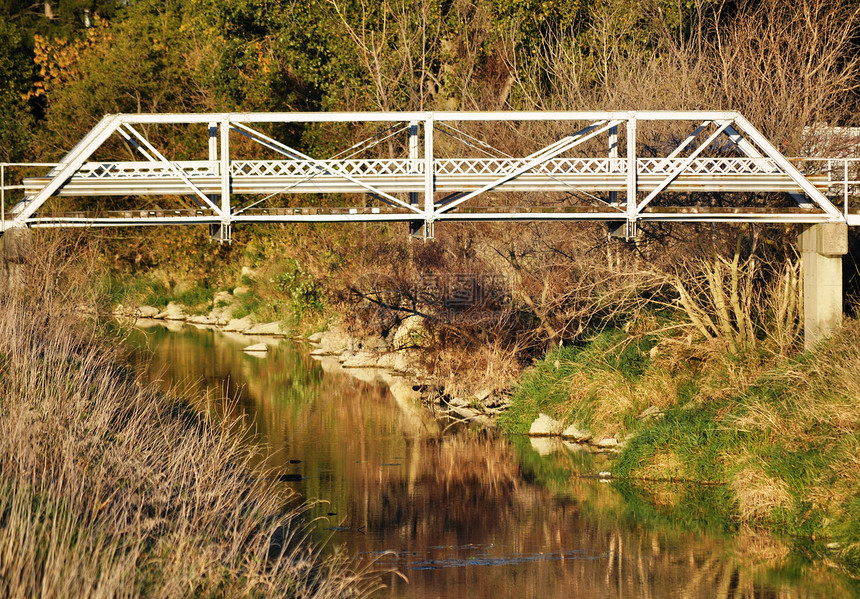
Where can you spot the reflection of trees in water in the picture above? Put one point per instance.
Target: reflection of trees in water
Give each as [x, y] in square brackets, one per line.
[410, 490]
[210, 369]
[642, 565]
[470, 491]
[460, 487]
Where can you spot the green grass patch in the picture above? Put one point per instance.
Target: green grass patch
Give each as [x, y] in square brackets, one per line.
[248, 303]
[141, 290]
[694, 435]
[197, 299]
[549, 385]
[148, 290]
[776, 438]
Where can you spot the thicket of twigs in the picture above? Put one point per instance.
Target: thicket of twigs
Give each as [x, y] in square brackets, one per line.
[785, 66]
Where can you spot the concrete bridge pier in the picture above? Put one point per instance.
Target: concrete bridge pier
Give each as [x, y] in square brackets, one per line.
[15, 250]
[822, 246]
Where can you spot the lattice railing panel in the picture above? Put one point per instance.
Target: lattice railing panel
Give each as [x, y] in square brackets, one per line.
[442, 166]
[709, 166]
[311, 168]
[506, 166]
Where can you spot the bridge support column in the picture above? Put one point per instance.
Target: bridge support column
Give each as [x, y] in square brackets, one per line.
[222, 233]
[15, 251]
[822, 246]
[625, 230]
[424, 229]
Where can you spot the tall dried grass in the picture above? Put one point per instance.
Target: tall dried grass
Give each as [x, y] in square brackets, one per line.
[758, 494]
[747, 303]
[108, 488]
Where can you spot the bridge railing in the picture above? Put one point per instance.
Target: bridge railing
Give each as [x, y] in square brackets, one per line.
[12, 179]
[843, 176]
[837, 177]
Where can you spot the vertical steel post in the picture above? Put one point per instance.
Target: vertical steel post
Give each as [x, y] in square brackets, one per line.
[3, 196]
[429, 176]
[225, 168]
[845, 192]
[613, 155]
[225, 181]
[212, 130]
[414, 159]
[631, 172]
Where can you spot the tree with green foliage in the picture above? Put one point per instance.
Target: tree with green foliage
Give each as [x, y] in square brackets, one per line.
[16, 76]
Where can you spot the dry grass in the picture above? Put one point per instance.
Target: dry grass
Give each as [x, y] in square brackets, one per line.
[758, 494]
[663, 465]
[610, 395]
[107, 488]
[824, 394]
[659, 388]
[465, 371]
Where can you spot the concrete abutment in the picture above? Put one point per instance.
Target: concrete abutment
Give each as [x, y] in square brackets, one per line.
[823, 246]
[15, 250]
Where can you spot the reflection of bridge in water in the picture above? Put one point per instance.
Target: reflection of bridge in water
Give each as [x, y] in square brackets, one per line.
[624, 168]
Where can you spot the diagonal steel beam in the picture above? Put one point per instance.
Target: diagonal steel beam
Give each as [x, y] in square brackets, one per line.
[818, 198]
[148, 156]
[265, 141]
[751, 151]
[70, 163]
[319, 164]
[176, 170]
[273, 145]
[564, 140]
[690, 138]
[548, 153]
[743, 143]
[136, 145]
[682, 166]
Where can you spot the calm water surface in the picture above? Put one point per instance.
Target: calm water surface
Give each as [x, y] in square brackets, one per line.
[459, 513]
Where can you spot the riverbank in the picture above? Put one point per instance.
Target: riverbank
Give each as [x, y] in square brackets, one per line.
[774, 433]
[778, 436]
[109, 487]
[459, 512]
[694, 505]
[397, 359]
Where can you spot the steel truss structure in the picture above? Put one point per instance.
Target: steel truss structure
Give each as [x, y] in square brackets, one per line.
[595, 164]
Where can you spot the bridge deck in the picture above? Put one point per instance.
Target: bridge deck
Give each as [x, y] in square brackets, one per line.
[405, 176]
[105, 218]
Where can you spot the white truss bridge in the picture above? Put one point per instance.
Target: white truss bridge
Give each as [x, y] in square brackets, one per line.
[426, 167]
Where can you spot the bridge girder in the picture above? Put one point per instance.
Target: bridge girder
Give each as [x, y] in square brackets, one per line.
[619, 179]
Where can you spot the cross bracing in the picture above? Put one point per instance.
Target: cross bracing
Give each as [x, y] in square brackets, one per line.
[429, 167]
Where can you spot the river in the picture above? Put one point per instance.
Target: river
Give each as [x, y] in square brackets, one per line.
[460, 512]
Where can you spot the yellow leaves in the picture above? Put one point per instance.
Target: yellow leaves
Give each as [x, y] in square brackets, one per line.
[264, 56]
[58, 59]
